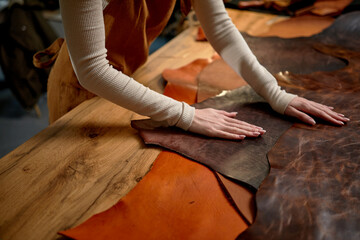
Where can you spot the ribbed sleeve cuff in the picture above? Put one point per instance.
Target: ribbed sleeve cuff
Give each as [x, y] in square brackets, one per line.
[186, 117]
[282, 102]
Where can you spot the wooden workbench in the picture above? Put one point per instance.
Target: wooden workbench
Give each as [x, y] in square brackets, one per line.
[91, 157]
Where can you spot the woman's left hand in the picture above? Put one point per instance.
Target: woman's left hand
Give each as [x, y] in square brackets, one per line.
[302, 108]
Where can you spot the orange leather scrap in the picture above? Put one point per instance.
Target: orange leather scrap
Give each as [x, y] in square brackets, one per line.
[216, 77]
[200, 36]
[177, 199]
[185, 75]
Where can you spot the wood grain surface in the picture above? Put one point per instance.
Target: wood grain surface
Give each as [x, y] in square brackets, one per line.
[91, 157]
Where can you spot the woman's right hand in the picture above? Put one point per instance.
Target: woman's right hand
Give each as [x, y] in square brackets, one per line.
[222, 124]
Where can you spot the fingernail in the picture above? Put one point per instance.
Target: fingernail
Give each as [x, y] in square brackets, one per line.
[262, 131]
[341, 123]
[347, 119]
[341, 114]
[313, 122]
[242, 136]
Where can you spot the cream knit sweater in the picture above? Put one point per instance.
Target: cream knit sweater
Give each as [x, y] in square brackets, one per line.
[85, 36]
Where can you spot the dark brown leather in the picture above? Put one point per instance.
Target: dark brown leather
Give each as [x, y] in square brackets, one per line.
[297, 55]
[241, 160]
[312, 191]
[345, 79]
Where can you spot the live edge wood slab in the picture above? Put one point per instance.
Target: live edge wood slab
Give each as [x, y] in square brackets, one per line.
[90, 158]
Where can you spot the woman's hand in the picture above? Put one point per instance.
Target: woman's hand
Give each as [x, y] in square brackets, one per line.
[222, 124]
[301, 108]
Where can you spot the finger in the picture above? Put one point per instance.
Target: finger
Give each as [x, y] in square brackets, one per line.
[301, 116]
[242, 125]
[337, 116]
[227, 135]
[320, 111]
[237, 121]
[328, 110]
[239, 131]
[228, 114]
[326, 116]
[324, 113]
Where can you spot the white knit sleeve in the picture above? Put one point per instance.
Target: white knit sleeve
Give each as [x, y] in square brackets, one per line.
[85, 35]
[229, 43]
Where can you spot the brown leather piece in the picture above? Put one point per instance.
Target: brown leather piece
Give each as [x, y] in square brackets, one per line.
[345, 79]
[241, 160]
[186, 75]
[295, 55]
[177, 199]
[312, 191]
[298, 55]
[215, 78]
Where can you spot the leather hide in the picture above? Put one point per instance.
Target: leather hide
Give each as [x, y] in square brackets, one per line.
[313, 191]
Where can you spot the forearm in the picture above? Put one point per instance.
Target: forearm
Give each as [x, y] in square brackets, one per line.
[85, 35]
[229, 43]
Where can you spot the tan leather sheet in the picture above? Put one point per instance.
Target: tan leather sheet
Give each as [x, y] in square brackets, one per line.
[300, 26]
